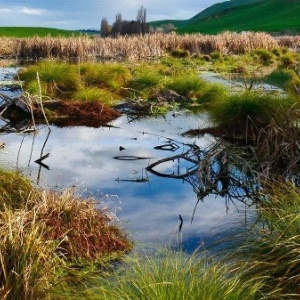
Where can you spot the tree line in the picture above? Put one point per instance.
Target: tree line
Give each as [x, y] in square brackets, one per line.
[125, 27]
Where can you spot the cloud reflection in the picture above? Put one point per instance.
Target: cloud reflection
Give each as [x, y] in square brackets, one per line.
[149, 210]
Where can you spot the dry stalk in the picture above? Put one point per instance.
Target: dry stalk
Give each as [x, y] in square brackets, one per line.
[134, 47]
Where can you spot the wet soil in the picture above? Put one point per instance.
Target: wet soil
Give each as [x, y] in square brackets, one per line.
[66, 113]
[72, 113]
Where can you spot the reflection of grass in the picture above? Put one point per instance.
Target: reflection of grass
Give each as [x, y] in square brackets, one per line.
[279, 78]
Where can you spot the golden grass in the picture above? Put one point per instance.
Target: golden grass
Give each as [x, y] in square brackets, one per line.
[134, 48]
[41, 231]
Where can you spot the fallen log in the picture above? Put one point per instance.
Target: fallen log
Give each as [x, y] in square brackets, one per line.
[18, 102]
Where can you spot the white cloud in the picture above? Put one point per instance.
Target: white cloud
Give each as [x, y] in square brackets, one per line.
[79, 14]
[5, 10]
[32, 11]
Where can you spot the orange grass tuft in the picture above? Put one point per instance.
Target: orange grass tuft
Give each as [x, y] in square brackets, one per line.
[84, 232]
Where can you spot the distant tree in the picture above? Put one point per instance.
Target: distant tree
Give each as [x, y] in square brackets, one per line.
[130, 27]
[104, 29]
[141, 19]
[169, 27]
[117, 26]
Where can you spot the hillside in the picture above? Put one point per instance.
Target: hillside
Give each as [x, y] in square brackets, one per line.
[206, 13]
[35, 31]
[220, 7]
[244, 15]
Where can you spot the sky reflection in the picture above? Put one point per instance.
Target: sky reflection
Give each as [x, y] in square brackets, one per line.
[149, 210]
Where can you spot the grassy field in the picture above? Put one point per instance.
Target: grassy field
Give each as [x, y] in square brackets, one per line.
[35, 31]
[270, 16]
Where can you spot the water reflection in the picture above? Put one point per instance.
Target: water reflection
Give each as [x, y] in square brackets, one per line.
[147, 205]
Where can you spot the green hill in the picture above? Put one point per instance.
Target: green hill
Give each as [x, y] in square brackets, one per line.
[35, 31]
[220, 7]
[244, 15]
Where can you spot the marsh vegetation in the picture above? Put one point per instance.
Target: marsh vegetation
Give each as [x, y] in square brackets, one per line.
[259, 130]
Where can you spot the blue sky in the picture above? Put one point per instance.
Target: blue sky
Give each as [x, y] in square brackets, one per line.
[87, 14]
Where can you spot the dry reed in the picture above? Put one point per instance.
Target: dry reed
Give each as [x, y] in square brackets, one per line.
[134, 47]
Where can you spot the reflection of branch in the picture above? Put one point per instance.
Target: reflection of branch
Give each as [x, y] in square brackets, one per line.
[46, 140]
[19, 151]
[194, 210]
[138, 180]
[42, 158]
[217, 171]
[31, 151]
[181, 223]
[39, 161]
[167, 147]
[43, 165]
[182, 155]
[182, 176]
[130, 157]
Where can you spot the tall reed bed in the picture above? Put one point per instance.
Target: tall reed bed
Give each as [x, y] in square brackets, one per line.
[8, 47]
[135, 47]
[289, 41]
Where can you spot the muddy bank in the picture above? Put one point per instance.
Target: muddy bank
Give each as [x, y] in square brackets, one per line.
[61, 113]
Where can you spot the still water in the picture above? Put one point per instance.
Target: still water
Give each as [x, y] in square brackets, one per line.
[109, 163]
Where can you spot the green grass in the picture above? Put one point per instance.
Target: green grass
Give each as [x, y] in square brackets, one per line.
[56, 78]
[212, 93]
[274, 253]
[21, 32]
[169, 276]
[250, 111]
[280, 78]
[112, 76]
[190, 86]
[270, 16]
[27, 263]
[94, 94]
[110, 82]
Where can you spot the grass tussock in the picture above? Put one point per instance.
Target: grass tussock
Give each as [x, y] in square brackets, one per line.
[171, 276]
[190, 86]
[108, 84]
[15, 190]
[43, 231]
[274, 253]
[56, 78]
[250, 111]
[27, 260]
[278, 148]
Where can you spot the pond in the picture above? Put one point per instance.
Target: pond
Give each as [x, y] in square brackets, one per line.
[111, 164]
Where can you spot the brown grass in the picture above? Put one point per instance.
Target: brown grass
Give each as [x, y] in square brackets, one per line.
[81, 229]
[134, 47]
[84, 231]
